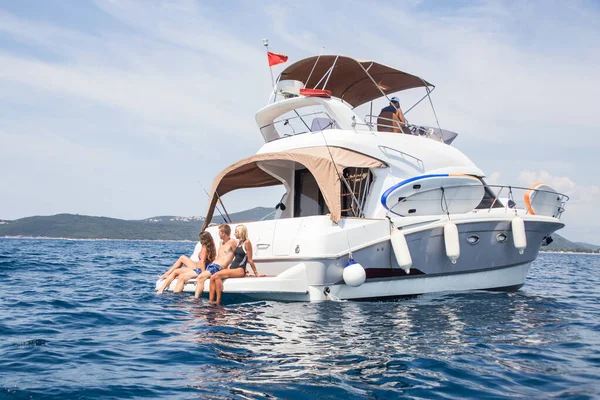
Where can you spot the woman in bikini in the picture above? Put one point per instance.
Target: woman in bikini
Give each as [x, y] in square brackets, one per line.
[237, 269]
[185, 269]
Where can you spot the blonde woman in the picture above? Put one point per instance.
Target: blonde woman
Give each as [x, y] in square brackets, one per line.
[184, 268]
[237, 269]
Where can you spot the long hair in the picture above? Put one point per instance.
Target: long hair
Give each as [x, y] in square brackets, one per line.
[207, 241]
[243, 232]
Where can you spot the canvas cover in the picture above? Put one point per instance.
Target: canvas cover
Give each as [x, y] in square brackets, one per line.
[348, 80]
[326, 164]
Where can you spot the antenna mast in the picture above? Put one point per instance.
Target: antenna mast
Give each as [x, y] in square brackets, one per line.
[266, 44]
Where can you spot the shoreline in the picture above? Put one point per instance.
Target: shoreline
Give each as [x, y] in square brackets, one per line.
[568, 252]
[192, 241]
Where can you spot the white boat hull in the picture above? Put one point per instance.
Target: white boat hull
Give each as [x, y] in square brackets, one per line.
[310, 267]
[294, 288]
[507, 279]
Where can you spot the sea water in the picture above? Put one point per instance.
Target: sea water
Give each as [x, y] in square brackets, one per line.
[80, 319]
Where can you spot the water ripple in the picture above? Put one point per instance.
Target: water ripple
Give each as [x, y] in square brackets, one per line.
[80, 319]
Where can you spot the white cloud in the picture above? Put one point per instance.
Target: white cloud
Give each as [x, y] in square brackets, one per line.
[581, 214]
[493, 179]
[163, 95]
[561, 184]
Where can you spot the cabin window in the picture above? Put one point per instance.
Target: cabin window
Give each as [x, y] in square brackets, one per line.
[356, 184]
[489, 199]
[308, 199]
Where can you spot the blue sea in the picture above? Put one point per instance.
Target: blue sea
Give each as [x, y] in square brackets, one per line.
[80, 319]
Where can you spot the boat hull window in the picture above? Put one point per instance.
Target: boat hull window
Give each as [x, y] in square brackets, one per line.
[308, 199]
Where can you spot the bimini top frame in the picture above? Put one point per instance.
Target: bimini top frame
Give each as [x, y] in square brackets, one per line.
[247, 173]
[354, 81]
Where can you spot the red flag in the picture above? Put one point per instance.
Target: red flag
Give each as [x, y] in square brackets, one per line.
[276, 58]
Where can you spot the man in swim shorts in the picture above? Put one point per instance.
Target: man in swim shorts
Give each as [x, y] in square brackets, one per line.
[224, 258]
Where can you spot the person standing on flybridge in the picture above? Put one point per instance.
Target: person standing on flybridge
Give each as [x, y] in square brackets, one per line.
[394, 113]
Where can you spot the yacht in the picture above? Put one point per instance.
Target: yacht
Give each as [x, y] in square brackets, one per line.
[374, 208]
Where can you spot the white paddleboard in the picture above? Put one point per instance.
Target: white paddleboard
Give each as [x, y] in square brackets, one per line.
[422, 195]
[542, 199]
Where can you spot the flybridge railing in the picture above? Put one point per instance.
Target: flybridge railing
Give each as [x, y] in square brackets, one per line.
[320, 120]
[384, 124]
[533, 201]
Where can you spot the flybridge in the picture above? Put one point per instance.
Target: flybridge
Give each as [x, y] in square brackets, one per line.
[321, 93]
[295, 115]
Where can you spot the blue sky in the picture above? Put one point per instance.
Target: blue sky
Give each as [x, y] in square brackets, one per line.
[128, 109]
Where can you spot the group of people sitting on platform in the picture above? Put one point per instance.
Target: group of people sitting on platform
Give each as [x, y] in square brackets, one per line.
[228, 262]
[391, 118]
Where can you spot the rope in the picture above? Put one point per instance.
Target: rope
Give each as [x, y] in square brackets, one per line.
[445, 202]
[511, 198]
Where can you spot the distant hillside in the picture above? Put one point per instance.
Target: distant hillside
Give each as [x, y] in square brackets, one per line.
[86, 227]
[588, 246]
[560, 243]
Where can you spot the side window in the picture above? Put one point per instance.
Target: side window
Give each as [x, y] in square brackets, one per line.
[489, 199]
[355, 188]
[308, 199]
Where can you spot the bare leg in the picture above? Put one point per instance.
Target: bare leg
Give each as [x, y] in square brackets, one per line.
[219, 289]
[166, 283]
[171, 277]
[200, 283]
[183, 260]
[177, 264]
[182, 279]
[212, 286]
[216, 281]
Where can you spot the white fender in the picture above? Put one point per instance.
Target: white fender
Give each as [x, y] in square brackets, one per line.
[451, 241]
[354, 274]
[518, 231]
[401, 250]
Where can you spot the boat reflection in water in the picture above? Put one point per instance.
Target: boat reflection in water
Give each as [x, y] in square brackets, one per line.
[411, 343]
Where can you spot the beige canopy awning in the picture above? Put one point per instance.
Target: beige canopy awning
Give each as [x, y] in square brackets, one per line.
[348, 80]
[324, 163]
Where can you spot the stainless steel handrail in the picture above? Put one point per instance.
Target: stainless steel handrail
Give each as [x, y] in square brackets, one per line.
[416, 130]
[390, 152]
[286, 121]
[563, 198]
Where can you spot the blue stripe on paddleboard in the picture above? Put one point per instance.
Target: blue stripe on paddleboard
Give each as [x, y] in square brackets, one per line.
[416, 178]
